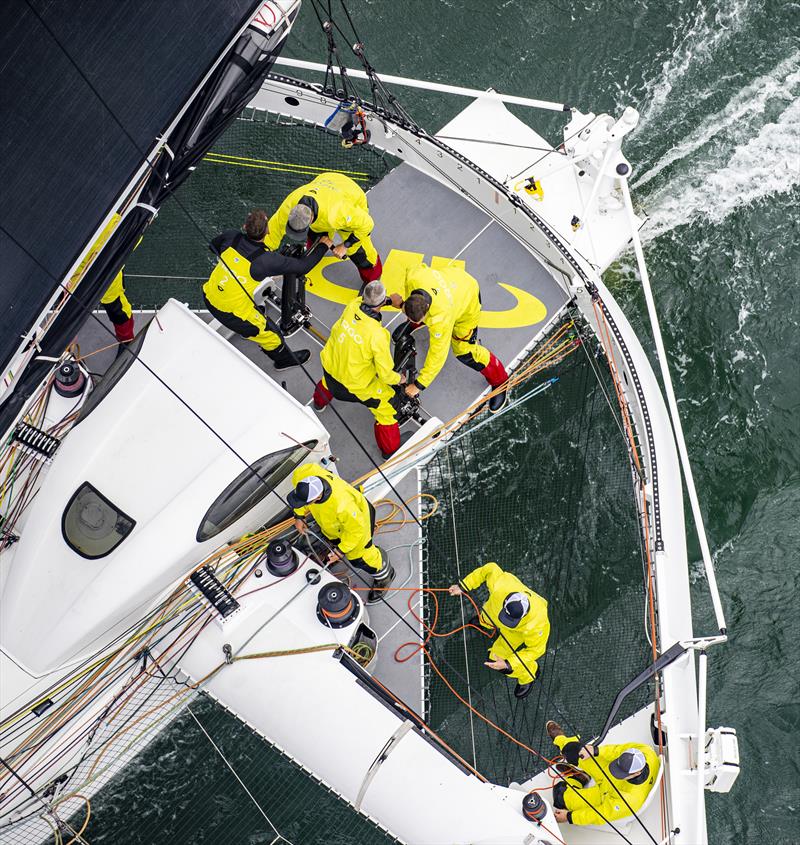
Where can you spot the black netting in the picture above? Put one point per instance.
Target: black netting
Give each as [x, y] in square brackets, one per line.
[151, 800]
[556, 508]
[263, 157]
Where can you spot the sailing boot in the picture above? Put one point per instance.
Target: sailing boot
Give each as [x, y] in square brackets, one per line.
[322, 397]
[495, 373]
[568, 771]
[522, 690]
[381, 581]
[284, 358]
[388, 438]
[370, 274]
[124, 334]
[554, 729]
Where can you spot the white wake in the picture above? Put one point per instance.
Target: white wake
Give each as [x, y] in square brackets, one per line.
[738, 116]
[703, 37]
[766, 164]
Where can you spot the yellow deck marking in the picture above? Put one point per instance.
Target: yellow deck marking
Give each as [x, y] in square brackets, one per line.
[286, 164]
[278, 169]
[527, 311]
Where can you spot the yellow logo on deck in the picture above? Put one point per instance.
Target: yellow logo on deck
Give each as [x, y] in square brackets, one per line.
[528, 310]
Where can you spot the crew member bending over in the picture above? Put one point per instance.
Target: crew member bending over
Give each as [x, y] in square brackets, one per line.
[520, 617]
[448, 301]
[331, 203]
[229, 297]
[623, 777]
[345, 517]
[357, 365]
[119, 311]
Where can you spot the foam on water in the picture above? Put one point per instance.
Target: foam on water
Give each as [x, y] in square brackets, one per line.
[768, 163]
[741, 110]
[705, 34]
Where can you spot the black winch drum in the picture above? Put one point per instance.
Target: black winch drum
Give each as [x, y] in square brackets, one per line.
[534, 807]
[69, 380]
[337, 607]
[281, 558]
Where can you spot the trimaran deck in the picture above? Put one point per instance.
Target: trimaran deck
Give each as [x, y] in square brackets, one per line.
[459, 196]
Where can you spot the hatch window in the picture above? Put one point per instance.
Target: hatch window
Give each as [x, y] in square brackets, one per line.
[92, 526]
[249, 488]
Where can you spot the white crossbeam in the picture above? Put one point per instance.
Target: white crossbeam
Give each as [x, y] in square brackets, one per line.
[431, 86]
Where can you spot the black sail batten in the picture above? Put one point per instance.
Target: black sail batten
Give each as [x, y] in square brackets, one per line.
[88, 89]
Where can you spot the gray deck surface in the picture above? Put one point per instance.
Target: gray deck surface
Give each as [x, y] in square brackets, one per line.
[412, 212]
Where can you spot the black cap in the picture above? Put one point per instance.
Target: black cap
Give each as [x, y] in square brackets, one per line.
[306, 491]
[515, 606]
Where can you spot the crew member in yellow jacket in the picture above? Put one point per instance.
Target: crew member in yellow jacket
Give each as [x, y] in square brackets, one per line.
[357, 365]
[623, 777]
[244, 262]
[329, 204]
[520, 617]
[448, 301]
[345, 517]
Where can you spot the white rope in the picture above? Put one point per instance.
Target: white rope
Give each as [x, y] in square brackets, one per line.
[279, 836]
[461, 605]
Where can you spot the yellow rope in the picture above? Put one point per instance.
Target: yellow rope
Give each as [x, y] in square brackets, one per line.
[286, 164]
[79, 834]
[213, 160]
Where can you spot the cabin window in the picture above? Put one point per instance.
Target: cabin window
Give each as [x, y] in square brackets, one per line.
[112, 375]
[92, 526]
[249, 488]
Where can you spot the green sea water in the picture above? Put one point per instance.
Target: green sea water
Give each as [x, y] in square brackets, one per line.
[717, 168]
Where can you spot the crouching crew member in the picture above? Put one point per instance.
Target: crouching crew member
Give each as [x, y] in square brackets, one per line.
[448, 301]
[119, 310]
[520, 617]
[358, 366]
[331, 203]
[623, 777]
[345, 517]
[229, 297]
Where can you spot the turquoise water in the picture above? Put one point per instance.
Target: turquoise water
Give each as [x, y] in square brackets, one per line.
[717, 168]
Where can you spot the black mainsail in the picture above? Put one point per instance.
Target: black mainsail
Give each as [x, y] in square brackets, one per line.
[114, 105]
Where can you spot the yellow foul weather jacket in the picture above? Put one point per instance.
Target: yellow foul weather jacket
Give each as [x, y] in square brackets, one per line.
[453, 315]
[344, 517]
[357, 351]
[341, 207]
[602, 800]
[523, 645]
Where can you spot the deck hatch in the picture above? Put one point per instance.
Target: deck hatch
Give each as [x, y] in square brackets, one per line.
[92, 525]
